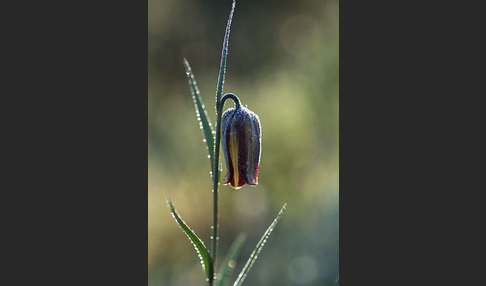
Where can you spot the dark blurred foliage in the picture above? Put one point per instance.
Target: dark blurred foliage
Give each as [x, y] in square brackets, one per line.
[283, 63]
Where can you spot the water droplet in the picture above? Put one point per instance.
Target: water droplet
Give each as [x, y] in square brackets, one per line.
[232, 264]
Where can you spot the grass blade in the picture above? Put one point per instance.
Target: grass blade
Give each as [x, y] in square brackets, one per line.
[258, 248]
[201, 249]
[230, 261]
[202, 115]
[224, 54]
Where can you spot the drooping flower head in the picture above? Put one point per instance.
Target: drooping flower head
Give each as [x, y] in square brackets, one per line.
[241, 141]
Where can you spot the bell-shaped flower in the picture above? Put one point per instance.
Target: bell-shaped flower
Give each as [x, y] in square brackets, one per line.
[241, 143]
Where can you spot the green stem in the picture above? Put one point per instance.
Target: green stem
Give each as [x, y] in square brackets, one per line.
[214, 228]
[214, 233]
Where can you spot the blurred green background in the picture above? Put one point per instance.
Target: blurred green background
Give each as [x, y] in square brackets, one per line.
[283, 63]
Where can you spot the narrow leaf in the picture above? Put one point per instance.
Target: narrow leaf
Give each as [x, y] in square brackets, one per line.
[202, 115]
[224, 54]
[230, 261]
[201, 249]
[258, 248]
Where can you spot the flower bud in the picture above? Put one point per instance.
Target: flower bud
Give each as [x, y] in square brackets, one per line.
[240, 138]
